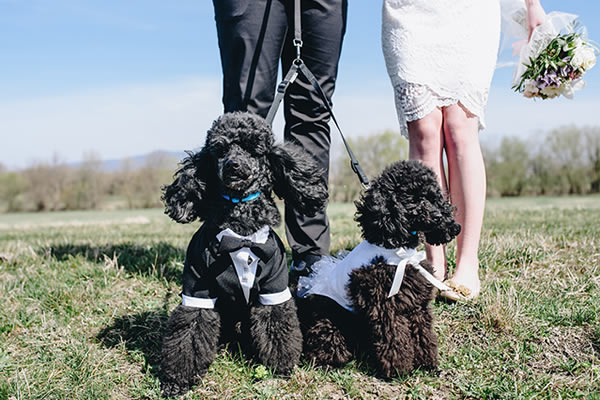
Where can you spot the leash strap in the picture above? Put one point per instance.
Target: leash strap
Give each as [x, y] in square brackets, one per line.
[290, 77]
[297, 25]
[281, 89]
[354, 164]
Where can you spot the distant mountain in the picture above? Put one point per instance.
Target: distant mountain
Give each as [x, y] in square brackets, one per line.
[140, 160]
[136, 161]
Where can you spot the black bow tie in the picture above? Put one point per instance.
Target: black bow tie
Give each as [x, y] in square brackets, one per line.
[264, 251]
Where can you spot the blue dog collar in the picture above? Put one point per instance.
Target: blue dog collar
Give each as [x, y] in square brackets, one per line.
[414, 233]
[245, 199]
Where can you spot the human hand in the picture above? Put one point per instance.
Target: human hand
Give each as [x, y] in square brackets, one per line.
[535, 15]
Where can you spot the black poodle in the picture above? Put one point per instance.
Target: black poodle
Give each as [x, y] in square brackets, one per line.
[235, 277]
[376, 299]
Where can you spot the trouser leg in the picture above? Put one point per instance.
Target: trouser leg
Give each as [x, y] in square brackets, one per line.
[251, 35]
[307, 119]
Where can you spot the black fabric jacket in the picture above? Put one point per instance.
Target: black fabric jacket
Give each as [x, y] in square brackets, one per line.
[209, 274]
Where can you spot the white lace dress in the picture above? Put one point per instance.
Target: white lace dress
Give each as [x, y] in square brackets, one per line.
[439, 53]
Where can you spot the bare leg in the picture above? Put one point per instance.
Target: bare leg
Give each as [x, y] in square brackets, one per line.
[466, 173]
[426, 143]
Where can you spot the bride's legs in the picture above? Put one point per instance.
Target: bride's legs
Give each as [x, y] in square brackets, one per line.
[426, 143]
[466, 179]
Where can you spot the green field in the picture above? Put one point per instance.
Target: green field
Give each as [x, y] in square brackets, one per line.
[86, 295]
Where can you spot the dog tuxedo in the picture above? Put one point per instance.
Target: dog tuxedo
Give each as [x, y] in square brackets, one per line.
[236, 287]
[240, 269]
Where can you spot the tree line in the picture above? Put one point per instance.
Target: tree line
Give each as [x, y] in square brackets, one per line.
[563, 161]
[54, 185]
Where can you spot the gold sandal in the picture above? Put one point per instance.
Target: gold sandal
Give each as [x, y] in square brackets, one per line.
[458, 292]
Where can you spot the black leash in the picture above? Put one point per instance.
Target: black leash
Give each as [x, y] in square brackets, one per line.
[297, 67]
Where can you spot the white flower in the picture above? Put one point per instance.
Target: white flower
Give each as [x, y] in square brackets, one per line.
[566, 89]
[577, 84]
[584, 58]
[574, 44]
[589, 57]
[577, 60]
[531, 89]
[551, 91]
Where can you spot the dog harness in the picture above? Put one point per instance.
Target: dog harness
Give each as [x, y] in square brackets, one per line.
[330, 277]
[241, 269]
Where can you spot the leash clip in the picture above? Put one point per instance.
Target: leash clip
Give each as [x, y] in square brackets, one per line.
[298, 43]
[364, 181]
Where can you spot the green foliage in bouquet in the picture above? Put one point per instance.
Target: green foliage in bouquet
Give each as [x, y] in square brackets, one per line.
[558, 67]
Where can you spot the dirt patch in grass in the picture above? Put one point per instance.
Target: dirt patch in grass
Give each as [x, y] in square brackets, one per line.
[564, 346]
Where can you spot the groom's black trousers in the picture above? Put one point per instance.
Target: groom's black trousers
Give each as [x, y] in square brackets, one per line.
[254, 37]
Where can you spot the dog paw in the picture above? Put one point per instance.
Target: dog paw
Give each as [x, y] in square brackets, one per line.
[171, 389]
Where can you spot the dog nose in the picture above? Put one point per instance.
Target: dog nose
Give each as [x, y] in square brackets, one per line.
[233, 165]
[234, 168]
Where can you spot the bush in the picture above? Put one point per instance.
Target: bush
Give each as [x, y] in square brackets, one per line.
[374, 153]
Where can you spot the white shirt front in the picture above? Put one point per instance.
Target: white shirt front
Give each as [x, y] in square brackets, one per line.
[244, 260]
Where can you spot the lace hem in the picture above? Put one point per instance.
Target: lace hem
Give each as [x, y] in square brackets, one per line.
[415, 101]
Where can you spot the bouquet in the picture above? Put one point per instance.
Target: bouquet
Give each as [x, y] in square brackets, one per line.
[554, 60]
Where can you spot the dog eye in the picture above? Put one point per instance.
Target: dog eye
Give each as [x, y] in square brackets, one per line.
[253, 144]
[219, 148]
[256, 149]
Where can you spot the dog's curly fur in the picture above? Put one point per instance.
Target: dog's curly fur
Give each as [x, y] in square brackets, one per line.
[191, 345]
[395, 333]
[239, 158]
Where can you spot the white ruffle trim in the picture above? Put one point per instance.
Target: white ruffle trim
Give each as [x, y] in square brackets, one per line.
[330, 275]
[415, 101]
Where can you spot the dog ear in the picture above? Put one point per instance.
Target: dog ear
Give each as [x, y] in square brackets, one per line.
[382, 217]
[297, 179]
[184, 197]
[438, 215]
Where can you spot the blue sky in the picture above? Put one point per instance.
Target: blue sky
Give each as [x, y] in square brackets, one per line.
[126, 77]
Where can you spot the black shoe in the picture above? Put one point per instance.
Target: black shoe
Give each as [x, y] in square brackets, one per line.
[303, 267]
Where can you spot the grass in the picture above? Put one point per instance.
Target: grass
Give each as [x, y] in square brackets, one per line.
[86, 296]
